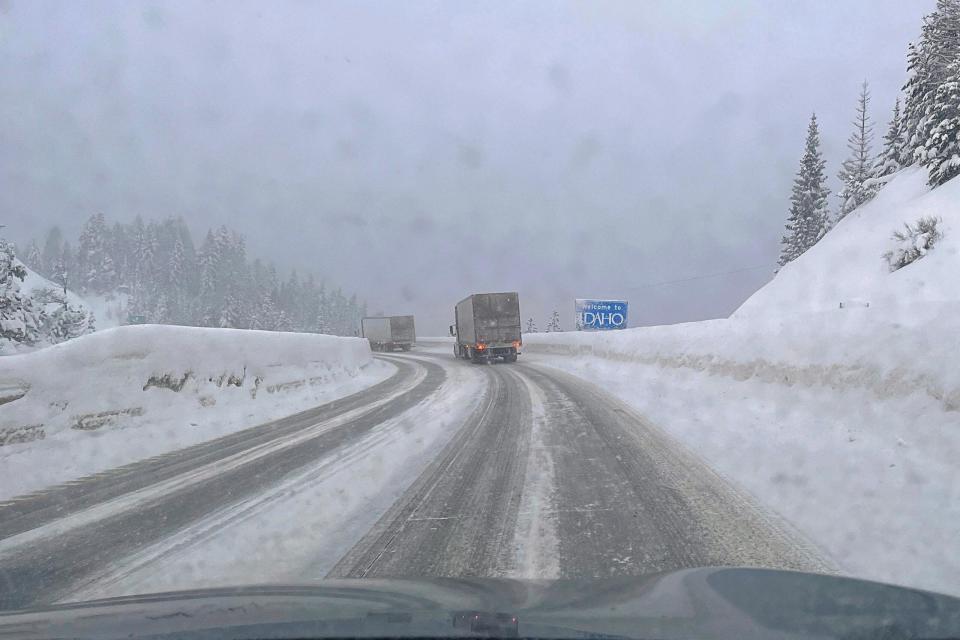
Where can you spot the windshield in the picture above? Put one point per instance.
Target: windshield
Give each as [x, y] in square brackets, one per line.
[292, 292]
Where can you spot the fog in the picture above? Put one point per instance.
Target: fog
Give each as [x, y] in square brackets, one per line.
[415, 152]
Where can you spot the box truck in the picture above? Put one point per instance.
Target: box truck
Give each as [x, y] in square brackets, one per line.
[389, 333]
[487, 326]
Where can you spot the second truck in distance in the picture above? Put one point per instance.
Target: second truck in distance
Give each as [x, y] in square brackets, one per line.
[390, 333]
[486, 326]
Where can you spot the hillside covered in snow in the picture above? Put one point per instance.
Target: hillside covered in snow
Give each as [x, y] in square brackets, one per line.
[847, 265]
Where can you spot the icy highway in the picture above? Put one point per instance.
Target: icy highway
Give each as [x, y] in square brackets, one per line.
[444, 469]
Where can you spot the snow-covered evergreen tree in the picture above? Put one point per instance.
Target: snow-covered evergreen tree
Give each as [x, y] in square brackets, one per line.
[68, 259]
[809, 217]
[353, 318]
[52, 250]
[554, 324]
[857, 169]
[120, 254]
[97, 273]
[309, 306]
[261, 296]
[291, 294]
[323, 310]
[20, 321]
[66, 322]
[942, 150]
[224, 279]
[34, 258]
[175, 298]
[209, 264]
[531, 326]
[281, 322]
[927, 67]
[888, 162]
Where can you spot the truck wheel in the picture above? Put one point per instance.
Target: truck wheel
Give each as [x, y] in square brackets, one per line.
[475, 358]
[510, 358]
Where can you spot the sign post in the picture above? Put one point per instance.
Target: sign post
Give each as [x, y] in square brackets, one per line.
[601, 315]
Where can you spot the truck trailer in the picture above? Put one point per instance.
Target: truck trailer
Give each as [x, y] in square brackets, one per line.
[389, 333]
[487, 326]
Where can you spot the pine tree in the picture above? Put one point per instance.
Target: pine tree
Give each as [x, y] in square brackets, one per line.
[338, 313]
[531, 326]
[175, 296]
[136, 247]
[857, 169]
[352, 327]
[927, 67]
[889, 160]
[67, 322]
[809, 218]
[188, 283]
[290, 297]
[281, 322]
[235, 279]
[52, 250]
[209, 264]
[309, 305]
[554, 324]
[144, 290]
[68, 259]
[97, 272]
[61, 273]
[323, 311]
[20, 322]
[943, 146]
[120, 254]
[262, 310]
[34, 259]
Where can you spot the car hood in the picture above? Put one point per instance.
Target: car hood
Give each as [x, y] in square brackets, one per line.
[702, 603]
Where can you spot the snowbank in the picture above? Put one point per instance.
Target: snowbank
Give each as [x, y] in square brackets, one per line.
[127, 393]
[894, 353]
[847, 423]
[848, 264]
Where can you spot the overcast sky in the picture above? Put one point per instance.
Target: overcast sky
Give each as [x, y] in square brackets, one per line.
[415, 152]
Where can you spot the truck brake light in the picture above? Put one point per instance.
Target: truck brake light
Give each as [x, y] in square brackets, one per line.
[516, 344]
[481, 346]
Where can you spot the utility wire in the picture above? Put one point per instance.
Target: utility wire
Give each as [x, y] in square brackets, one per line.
[700, 277]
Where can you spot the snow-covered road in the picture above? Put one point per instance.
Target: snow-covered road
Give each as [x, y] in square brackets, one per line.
[445, 468]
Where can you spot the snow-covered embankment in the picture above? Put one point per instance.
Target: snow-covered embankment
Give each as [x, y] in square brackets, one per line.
[844, 420]
[856, 446]
[129, 393]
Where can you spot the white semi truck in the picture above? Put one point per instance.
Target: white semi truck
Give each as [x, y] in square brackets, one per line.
[487, 326]
[389, 333]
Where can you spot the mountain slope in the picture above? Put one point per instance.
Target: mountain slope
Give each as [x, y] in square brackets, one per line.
[109, 310]
[34, 284]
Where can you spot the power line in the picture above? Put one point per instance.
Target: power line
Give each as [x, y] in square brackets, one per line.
[700, 277]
